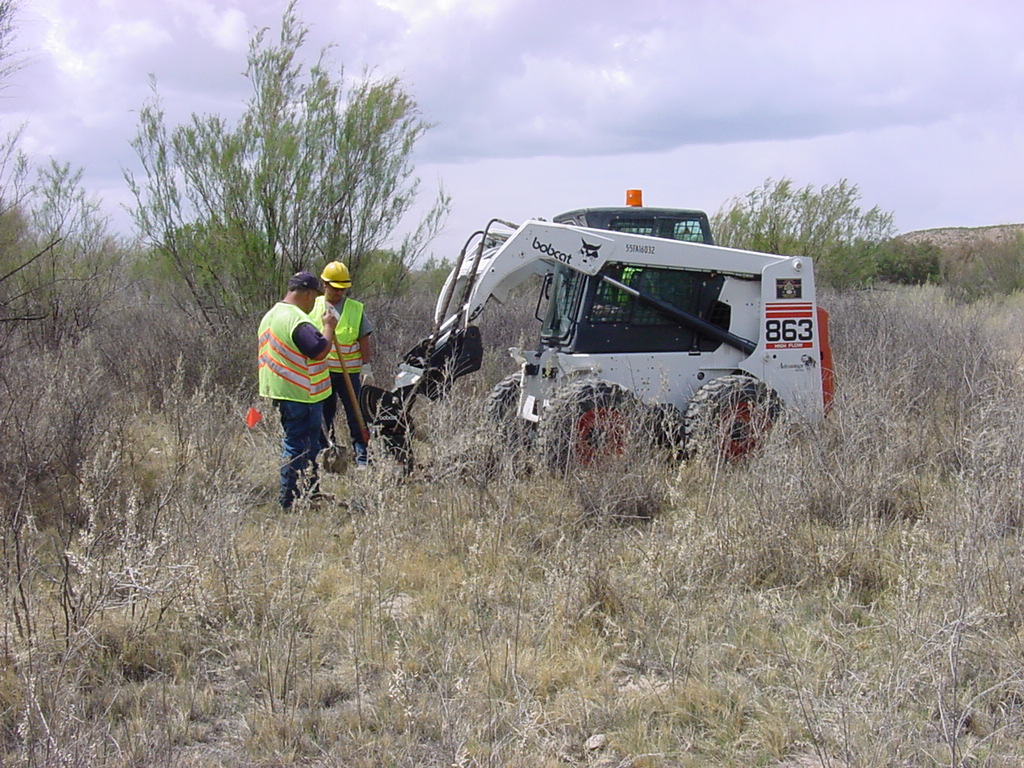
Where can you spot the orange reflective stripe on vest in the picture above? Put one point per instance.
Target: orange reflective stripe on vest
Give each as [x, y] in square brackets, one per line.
[346, 334]
[284, 372]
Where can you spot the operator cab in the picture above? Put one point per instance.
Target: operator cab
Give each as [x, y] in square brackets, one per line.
[585, 315]
[635, 219]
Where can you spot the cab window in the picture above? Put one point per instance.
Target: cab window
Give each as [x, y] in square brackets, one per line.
[558, 302]
[615, 321]
[689, 230]
[681, 288]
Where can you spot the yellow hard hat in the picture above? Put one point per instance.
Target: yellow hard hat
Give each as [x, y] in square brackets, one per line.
[336, 275]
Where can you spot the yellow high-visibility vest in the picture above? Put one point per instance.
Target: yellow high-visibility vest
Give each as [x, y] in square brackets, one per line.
[285, 373]
[346, 335]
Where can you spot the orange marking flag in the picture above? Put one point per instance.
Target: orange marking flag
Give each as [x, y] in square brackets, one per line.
[252, 418]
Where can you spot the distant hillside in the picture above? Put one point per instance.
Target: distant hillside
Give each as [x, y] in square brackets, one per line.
[951, 237]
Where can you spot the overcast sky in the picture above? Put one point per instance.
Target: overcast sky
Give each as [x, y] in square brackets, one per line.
[543, 106]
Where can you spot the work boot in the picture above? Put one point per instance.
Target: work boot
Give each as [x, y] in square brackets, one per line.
[287, 496]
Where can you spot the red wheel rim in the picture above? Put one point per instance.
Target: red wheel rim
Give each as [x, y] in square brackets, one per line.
[743, 429]
[600, 433]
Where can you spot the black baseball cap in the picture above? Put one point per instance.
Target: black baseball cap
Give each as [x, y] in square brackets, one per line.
[304, 281]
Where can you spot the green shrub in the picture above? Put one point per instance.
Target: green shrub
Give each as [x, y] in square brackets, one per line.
[905, 263]
[827, 224]
[984, 267]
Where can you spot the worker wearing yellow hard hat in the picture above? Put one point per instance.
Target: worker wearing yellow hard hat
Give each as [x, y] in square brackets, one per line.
[349, 361]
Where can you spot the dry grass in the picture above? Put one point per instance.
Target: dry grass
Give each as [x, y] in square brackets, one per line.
[852, 597]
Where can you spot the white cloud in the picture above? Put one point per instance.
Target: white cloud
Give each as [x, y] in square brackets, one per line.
[422, 12]
[227, 28]
[541, 106]
[56, 44]
[706, 73]
[124, 38]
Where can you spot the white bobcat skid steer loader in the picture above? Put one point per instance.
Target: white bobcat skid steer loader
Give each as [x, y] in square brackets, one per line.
[643, 323]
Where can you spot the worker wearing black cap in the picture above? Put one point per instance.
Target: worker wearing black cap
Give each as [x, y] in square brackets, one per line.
[293, 373]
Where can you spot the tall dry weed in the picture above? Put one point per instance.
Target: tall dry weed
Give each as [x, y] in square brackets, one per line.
[848, 596]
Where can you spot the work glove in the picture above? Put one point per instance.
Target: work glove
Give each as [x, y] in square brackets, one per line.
[366, 373]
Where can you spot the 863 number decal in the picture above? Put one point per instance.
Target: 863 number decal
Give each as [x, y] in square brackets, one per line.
[789, 325]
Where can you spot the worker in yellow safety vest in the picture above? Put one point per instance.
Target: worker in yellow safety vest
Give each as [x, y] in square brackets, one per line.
[353, 353]
[293, 373]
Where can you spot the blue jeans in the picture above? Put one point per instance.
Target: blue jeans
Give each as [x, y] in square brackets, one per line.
[302, 424]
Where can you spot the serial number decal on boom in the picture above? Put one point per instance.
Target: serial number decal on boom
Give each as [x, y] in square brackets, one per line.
[789, 325]
[634, 248]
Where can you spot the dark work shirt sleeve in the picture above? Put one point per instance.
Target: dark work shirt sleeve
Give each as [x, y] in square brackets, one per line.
[309, 340]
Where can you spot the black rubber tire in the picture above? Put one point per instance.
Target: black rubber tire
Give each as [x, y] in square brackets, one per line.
[503, 398]
[729, 417]
[587, 422]
[501, 409]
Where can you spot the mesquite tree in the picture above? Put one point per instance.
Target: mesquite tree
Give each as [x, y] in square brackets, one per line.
[827, 224]
[314, 170]
[13, 164]
[58, 260]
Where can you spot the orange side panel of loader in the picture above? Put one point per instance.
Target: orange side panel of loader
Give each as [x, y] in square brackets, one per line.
[828, 381]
